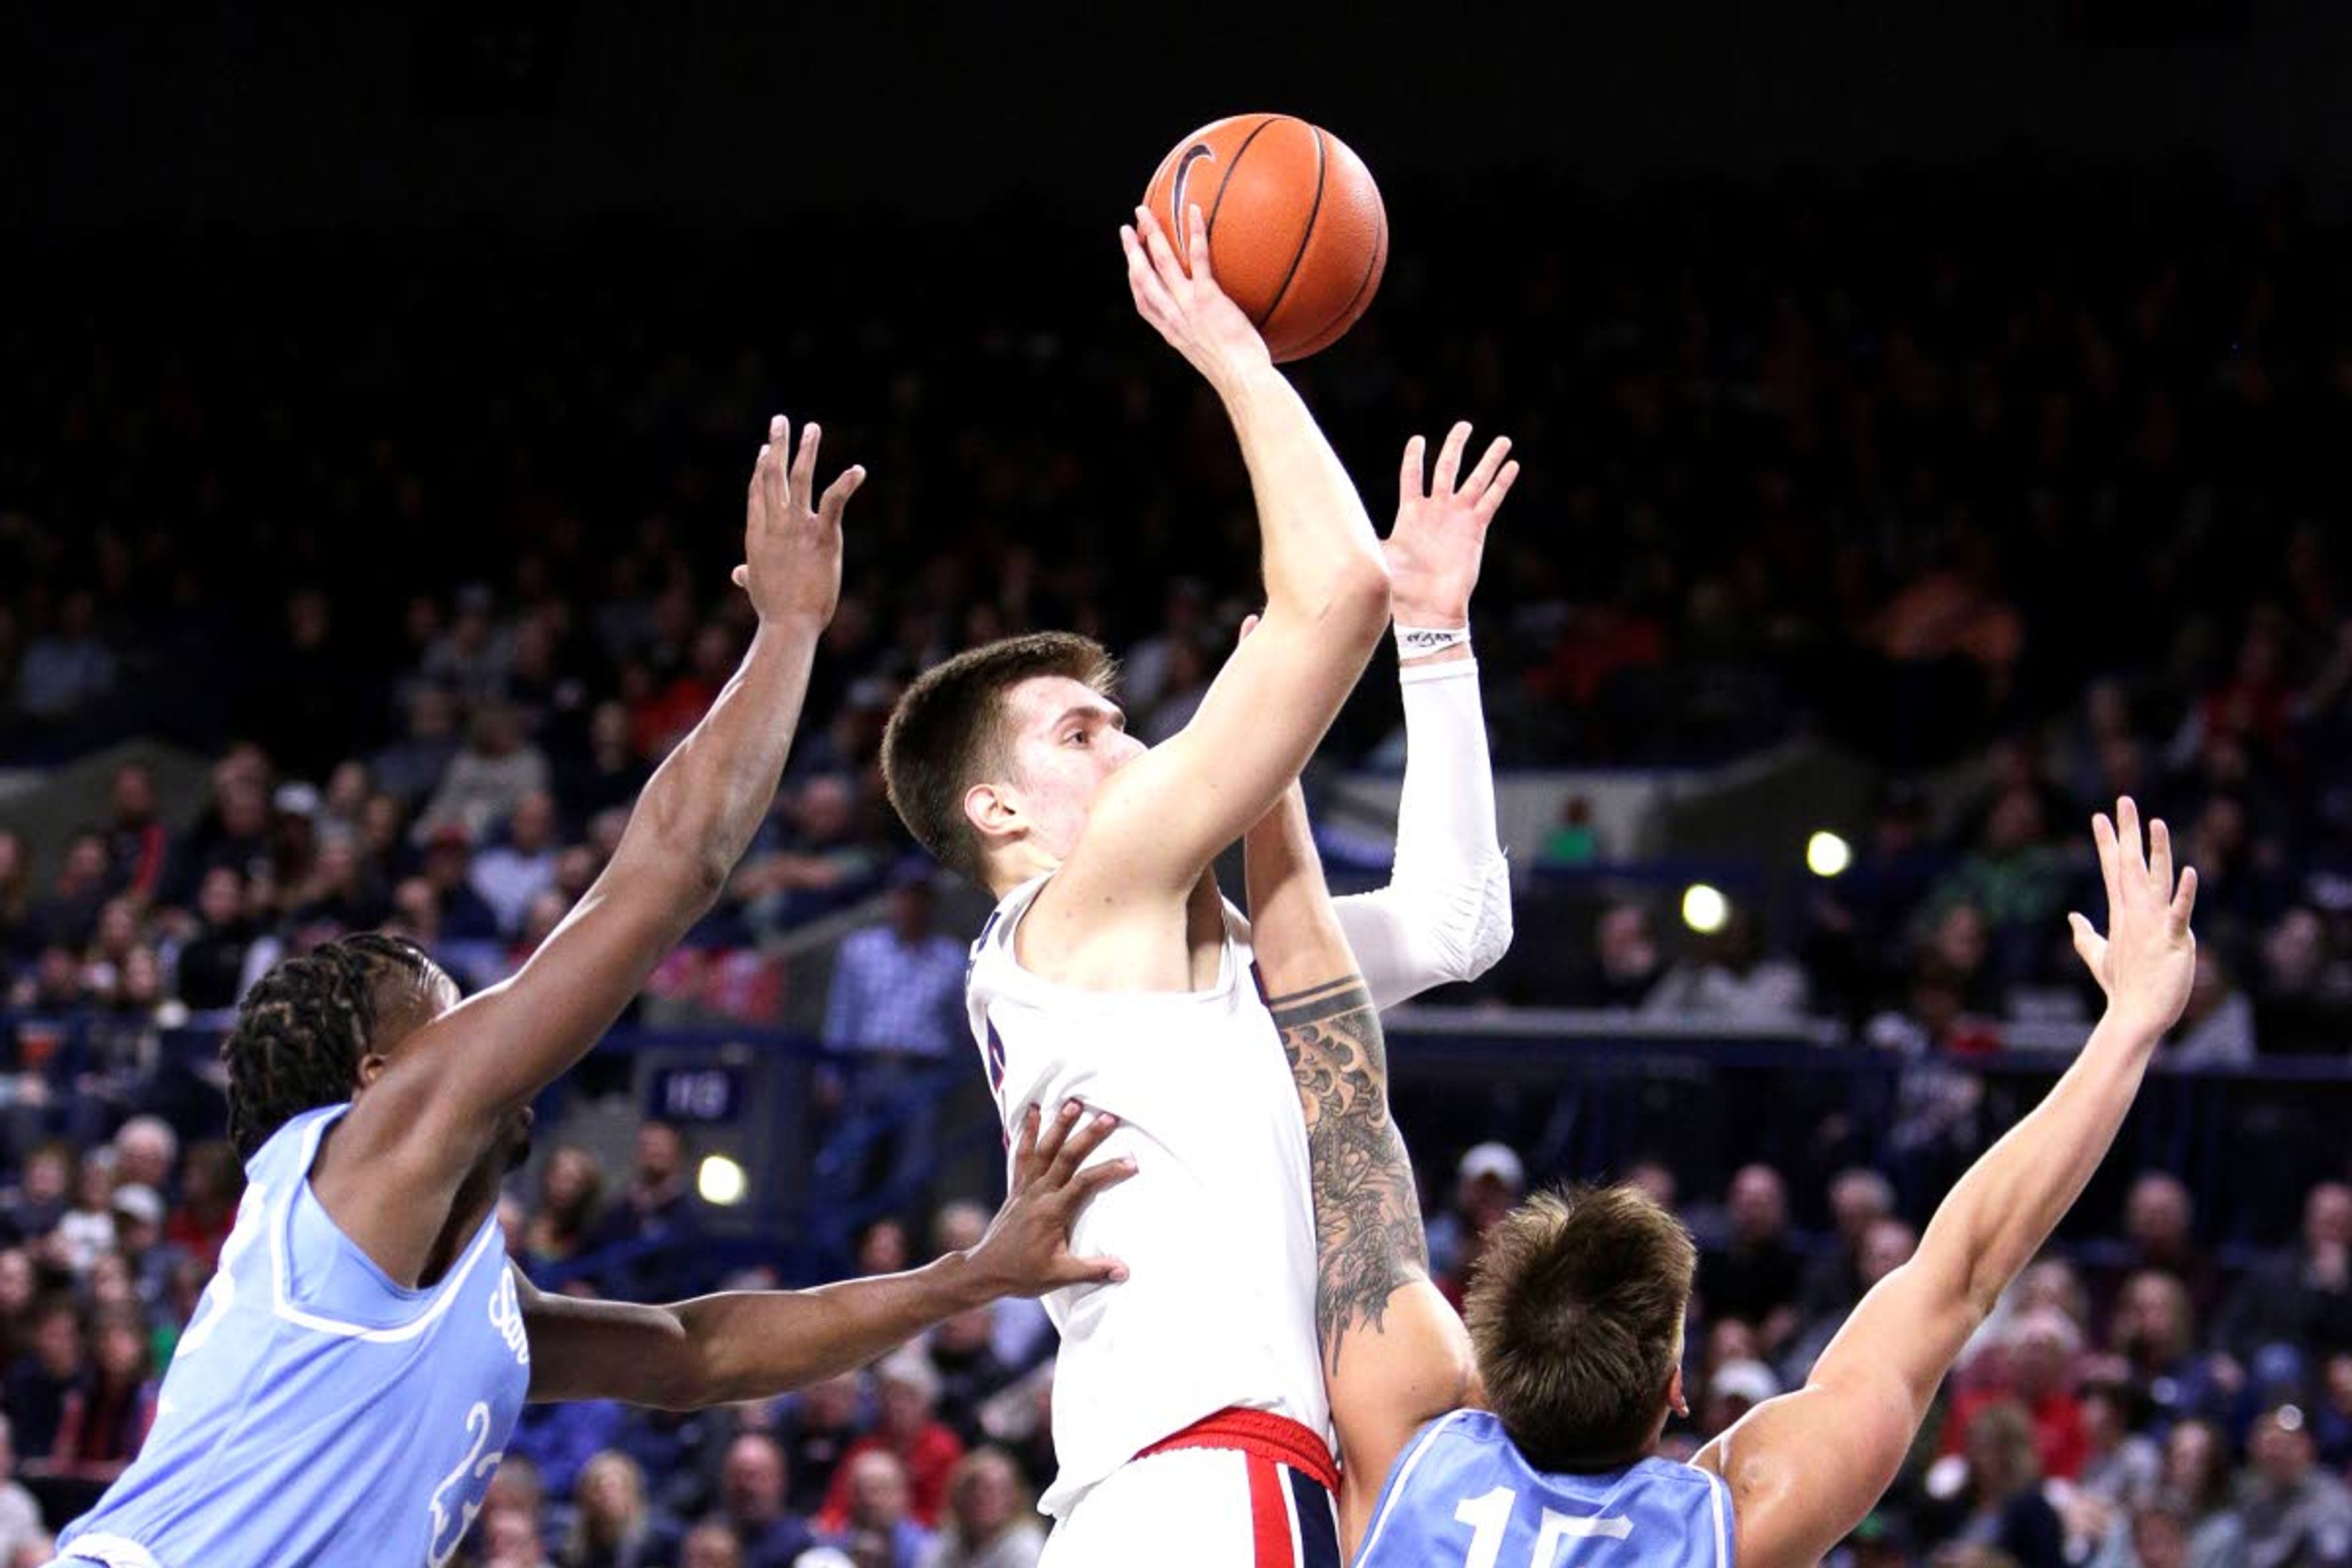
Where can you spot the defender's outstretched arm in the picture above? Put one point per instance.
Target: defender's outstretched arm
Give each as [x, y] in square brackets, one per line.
[1806, 1466]
[425, 1120]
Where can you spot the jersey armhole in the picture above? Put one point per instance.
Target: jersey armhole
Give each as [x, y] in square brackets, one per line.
[320, 1279]
[1399, 1475]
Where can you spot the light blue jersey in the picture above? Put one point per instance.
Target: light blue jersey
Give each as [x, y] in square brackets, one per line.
[1462, 1494]
[317, 1412]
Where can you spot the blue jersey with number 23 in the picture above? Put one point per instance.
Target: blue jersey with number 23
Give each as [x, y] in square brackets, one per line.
[1460, 1494]
[318, 1413]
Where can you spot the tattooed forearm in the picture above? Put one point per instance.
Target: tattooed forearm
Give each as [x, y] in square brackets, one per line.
[1367, 1232]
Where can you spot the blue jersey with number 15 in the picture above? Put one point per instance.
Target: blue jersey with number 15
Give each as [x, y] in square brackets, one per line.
[1462, 1494]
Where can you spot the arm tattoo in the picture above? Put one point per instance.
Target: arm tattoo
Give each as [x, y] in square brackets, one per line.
[1368, 1234]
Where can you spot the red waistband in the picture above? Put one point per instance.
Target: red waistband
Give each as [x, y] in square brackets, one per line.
[1260, 1432]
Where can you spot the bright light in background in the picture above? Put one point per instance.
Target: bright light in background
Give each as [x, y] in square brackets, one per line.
[1705, 910]
[720, 1180]
[1827, 855]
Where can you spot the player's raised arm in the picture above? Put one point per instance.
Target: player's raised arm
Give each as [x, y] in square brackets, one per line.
[1805, 1468]
[756, 1344]
[1445, 914]
[1394, 1352]
[424, 1117]
[1163, 817]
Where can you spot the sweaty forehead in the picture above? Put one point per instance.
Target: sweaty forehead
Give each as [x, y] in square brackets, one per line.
[1039, 701]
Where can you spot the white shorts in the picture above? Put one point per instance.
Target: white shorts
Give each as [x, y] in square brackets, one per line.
[1206, 1504]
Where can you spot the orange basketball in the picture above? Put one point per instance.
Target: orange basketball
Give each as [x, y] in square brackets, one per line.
[1297, 233]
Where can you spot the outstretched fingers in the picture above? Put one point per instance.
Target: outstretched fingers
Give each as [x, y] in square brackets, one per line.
[1410, 480]
[2184, 901]
[1025, 1161]
[1151, 295]
[1077, 1145]
[2103, 834]
[2090, 946]
[2159, 859]
[1490, 465]
[1492, 502]
[1449, 459]
[837, 494]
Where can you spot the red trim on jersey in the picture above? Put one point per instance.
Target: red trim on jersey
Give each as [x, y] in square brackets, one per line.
[1276, 1439]
[1269, 1520]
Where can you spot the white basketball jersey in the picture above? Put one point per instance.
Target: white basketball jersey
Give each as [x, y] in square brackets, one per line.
[1216, 1227]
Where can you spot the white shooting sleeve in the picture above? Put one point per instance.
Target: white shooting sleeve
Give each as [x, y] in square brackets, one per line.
[1445, 914]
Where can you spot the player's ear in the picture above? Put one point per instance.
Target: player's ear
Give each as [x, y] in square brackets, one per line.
[1676, 1400]
[372, 1067]
[992, 808]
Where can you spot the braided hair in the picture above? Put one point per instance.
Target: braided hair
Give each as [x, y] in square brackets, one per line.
[302, 1028]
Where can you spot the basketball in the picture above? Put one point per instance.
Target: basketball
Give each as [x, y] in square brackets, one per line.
[1297, 233]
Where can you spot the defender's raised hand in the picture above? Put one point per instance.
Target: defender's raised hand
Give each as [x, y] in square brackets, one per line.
[791, 547]
[1440, 538]
[2148, 957]
[1196, 316]
[1026, 1251]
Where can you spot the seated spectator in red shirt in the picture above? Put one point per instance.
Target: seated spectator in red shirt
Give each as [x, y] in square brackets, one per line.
[2039, 1375]
[910, 1391]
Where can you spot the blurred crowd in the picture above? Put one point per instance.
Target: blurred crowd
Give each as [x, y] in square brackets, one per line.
[2139, 1403]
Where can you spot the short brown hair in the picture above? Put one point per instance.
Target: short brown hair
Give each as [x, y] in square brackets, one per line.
[1576, 1313]
[948, 732]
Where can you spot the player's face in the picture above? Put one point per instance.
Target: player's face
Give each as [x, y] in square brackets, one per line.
[1067, 739]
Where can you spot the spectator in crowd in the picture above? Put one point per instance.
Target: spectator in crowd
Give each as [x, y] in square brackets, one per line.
[32, 1208]
[44, 1376]
[2121, 1466]
[2153, 1342]
[659, 1210]
[1859, 1199]
[911, 1432]
[67, 916]
[1733, 1389]
[819, 1427]
[751, 1488]
[410, 770]
[85, 1232]
[488, 779]
[894, 1011]
[2302, 1299]
[1626, 959]
[20, 1516]
[810, 857]
[138, 845]
[1755, 1275]
[2038, 1372]
[962, 1353]
[2000, 1503]
[612, 1527]
[510, 875]
[883, 1247]
[67, 668]
[15, 894]
[1886, 1245]
[2160, 1232]
[2217, 1029]
[146, 1153]
[1020, 1332]
[571, 1189]
[107, 1415]
[875, 1528]
[991, 1520]
[2196, 1485]
[212, 1180]
[210, 972]
[2293, 1511]
[711, 1544]
[1729, 980]
[1487, 1181]
[559, 1439]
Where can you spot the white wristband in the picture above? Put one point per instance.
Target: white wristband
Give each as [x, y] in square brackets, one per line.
[1418, 642]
